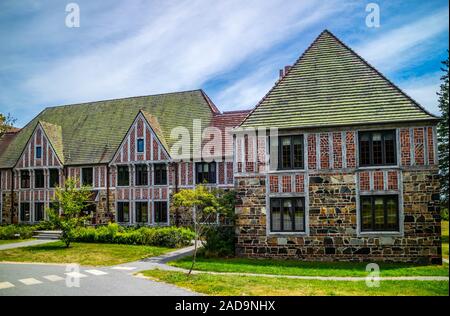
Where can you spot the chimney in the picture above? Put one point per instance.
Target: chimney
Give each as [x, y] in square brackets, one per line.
[284, 71]
[281, 74]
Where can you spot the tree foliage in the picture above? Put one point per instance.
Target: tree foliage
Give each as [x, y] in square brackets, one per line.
[72, 201]
[6, 122]
[443, 128]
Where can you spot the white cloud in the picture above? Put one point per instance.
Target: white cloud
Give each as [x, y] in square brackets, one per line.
[423, 90]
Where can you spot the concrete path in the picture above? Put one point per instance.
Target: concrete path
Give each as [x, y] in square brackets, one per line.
[26, 243]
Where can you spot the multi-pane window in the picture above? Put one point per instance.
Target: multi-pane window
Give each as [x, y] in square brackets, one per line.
[379, 213]
[38, 211]
[160, 174]
[39, 178]
[290, 153]
[377, 148]
[24, 212]
[123, 212]
[140, 145]
[205, 172]
[141, 175]
[160, 212]
[87, 176]
[141, 212]
[38, 152]
[54, 178]
[287, 214]
[25, 179]
[123, 176]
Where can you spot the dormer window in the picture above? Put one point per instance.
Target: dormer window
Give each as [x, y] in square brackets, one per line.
[140, 145]
[38, 152]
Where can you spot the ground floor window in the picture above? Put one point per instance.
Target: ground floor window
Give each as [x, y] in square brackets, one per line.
[379, 213]
[161, 211]
[141, 212]
[24, 212]
[123, 212]
[205, 172]
[287, 214]
[38, 211]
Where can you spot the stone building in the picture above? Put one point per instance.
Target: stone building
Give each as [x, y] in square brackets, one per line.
[334, 163]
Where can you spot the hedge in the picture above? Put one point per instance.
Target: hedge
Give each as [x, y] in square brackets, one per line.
[17, 231]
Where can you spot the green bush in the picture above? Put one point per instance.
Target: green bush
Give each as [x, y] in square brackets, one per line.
[152, 236]
[444, 213]
[219, 242]
[17, 231]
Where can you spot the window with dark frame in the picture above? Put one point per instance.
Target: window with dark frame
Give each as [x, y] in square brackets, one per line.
[24, 179]
[140, 145]
[379, 213]
[39, 178]
[287, 214]
[141, 212]
[205, 172]
[25, 212]
[160, 174]
[87, 176]
[123, 176]
[54, 178]
[141, 175]
[377, 148]
[160, 212]
[123, 212]
[290, 152]
[38, 211]
[38, 152]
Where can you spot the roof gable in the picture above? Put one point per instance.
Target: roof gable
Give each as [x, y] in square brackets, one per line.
[331, 85]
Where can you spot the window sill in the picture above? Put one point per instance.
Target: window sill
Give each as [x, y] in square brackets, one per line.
[284, 234]
[286, 171]
[378, 167]
[380, 234]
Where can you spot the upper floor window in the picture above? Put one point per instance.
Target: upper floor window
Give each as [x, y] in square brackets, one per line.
[141, 175]
[87, 177]
[54, 178]
[123, 176]
[205, 172]
[25, 179]
[39, 178]
[379, 213]
[287, 214]
[160, 174]
[377, 148]
[38, 152]
[140, 145]
[290, 152]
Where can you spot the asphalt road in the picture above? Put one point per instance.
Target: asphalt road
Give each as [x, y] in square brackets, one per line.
[52, 280]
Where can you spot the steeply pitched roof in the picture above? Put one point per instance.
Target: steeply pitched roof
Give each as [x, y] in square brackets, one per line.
[330, 85]
[153, 122]
[54, 136]
[92, 132]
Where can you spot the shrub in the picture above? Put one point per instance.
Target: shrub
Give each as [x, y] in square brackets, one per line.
[152, 236]
[219, 242]
[17, 231]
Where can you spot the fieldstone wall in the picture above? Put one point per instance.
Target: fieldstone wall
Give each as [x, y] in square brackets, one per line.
[6, 208]
[333, 232]
[102, 216]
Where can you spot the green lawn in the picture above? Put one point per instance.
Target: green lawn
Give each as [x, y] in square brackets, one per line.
[82, 253]
[11, 241]
[445, 239]
[295, 267]
[243, 285]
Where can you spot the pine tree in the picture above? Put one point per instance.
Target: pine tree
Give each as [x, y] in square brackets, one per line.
[443, 128]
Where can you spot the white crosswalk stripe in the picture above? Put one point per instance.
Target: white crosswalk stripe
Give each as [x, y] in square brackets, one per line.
[5, 285]
[76, 275]
[123, 268]
[96, 272]
[53, 278]
[30, 281]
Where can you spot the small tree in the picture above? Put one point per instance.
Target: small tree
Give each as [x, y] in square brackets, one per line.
[72, 201]
[443, 137]
[203, 205]
[6, 122]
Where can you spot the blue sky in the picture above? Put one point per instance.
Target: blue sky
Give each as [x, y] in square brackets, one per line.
[232, 49]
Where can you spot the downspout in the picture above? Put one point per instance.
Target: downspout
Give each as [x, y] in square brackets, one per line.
[12, 196]
[107, 190]
[177, 222]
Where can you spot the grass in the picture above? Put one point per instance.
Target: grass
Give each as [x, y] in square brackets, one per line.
[294, 267]
[445, 239]
[263, 286]
[11, 241]
[83, 253]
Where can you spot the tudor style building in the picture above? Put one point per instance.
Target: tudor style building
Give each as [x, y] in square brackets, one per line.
[353, 169]
[334, 163]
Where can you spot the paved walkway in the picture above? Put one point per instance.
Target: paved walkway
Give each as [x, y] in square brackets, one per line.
[26, 243]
